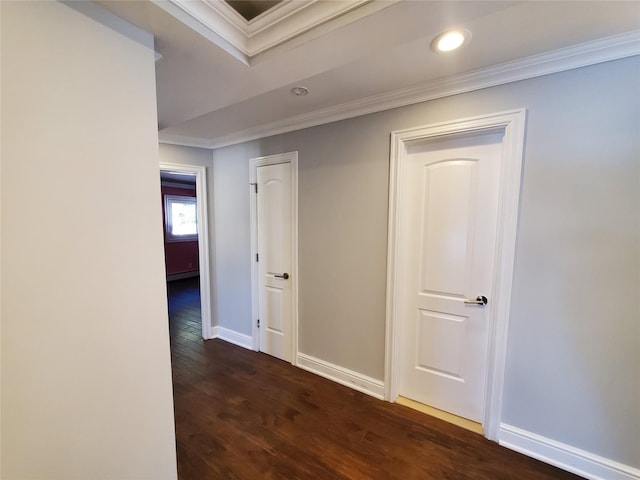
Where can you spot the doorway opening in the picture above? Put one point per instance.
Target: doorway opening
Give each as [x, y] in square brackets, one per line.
[184, 203]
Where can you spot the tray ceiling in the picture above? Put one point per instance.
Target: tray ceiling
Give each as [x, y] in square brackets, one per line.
[222, 79]
[250, 9]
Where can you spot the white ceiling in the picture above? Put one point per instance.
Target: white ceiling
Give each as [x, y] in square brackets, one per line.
[221, 81]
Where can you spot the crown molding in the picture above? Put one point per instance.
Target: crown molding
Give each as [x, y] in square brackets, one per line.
[200, 18]
[185, 141]
[284, 28]
[276, 14]
[590, 53]
[218, 22]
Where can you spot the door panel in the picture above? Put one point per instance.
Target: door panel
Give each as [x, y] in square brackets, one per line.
[274, 215]
[439, 343]
[274, 309]
[448, 208]
[448, 219]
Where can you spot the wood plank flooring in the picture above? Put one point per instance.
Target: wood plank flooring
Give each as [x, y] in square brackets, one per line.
[245, 415]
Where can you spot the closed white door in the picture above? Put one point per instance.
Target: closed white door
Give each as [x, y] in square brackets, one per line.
[274, 218]
[447, 238]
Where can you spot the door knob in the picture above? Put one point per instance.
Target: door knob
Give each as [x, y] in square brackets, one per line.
[479, 300]
[284, 275]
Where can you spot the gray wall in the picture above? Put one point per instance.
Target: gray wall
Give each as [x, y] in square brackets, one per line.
[573, 367]
[86, 373]
[233, 246]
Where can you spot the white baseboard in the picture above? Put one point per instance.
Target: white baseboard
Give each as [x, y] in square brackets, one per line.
[213, 333]
[341, 375]
[566, 457]
[232, 336]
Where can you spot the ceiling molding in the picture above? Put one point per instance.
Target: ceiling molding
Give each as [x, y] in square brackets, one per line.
[276, 14]
[590, 53]
[285, 28]
[185, 141]
[218, 22]
[212, 11]
[198, 17]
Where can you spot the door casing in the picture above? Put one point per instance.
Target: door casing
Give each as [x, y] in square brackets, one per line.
[512, 125]
[292, 159]
[203, 240]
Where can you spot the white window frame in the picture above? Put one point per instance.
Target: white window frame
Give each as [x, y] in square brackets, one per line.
[168, 201]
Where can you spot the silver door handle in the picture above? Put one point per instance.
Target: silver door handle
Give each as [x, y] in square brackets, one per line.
[284, 275]
[479, 300]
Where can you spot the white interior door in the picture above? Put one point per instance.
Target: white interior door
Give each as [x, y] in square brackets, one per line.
[275, 221]
[447, 237]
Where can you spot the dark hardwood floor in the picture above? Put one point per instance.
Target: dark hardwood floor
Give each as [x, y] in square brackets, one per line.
[245, 415]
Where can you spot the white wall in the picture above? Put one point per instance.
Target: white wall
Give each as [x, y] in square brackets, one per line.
[573, 367]
[86, 379]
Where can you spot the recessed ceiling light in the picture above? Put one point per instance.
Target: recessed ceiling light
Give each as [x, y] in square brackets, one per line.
[300, 91]
[451, 40]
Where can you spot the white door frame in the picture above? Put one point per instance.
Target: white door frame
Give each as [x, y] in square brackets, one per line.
[203, 240]
[292, 158]
[512, 124]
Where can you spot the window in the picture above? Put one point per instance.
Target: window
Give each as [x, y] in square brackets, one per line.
[180, 218]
